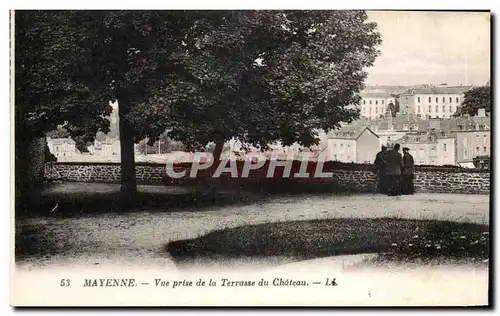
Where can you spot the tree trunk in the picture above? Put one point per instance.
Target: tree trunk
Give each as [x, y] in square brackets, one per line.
[213, 183]
[29, 174]
[219, 145]
[128, 190]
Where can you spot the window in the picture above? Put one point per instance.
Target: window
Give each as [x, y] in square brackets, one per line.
[376, 101]
[418, 108]
[418, 99]
[370, 110]
[364, 101]
[444, 109]
[465, 153]
[465, 142]
[477, 150]
[456, 100]
[405, 127]
[451, 109]
[443, 100]
[430, 99]
[444, 147]
[437, 108]
[437, 100]
[485, 139]
[477, 139]
[484, 149]
[382, 101]
[450, 99]
[370, 101]
[430, 108]
[415, 127]
[348, 148]
[421, 152]
[376, 109]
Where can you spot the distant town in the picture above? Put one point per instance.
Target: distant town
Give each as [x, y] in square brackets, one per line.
[422, 118]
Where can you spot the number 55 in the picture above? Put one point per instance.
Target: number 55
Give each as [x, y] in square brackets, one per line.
[65, 282]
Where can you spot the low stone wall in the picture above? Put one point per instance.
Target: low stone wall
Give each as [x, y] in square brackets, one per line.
[356, 177]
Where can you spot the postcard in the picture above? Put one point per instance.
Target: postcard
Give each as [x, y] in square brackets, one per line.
[251, 158]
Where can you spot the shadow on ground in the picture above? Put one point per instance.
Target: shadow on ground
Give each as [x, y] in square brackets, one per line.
[396, 239]
[71, 204]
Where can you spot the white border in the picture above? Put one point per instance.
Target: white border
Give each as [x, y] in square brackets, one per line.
[186, 4]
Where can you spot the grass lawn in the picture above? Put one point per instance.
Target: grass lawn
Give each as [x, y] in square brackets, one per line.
[394, 239]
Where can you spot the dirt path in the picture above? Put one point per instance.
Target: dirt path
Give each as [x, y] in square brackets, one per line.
[139, 238]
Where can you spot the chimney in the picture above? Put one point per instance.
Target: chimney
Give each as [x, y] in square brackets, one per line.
[481, 112]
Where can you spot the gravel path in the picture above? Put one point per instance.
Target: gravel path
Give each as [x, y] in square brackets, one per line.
[138, 239]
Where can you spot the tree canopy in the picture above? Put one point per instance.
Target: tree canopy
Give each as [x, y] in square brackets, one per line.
[474, 99]
[258, 76]
[262, 76]
[52, 86]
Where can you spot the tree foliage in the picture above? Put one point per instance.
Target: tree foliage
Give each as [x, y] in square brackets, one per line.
[474, 99]
[261, 76]
[258, 76]
[50, 90]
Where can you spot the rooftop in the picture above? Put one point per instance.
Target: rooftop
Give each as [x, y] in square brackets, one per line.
[373, 94]
[408, 122]
[437, 90]
[59, 141]
[350, 132]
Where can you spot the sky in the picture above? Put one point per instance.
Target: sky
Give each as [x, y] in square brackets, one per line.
[431, 48]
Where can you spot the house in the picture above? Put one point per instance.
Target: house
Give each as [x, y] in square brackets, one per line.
[432, 102]
[391, 128]
[472, 144]
[353, 144]
[62, 147]
[430, 148]
[107, 146]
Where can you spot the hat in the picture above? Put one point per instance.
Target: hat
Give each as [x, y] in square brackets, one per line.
[406, 148]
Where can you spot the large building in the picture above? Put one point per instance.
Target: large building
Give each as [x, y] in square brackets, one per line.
[375, 104]
[432, 102]
[353, 144]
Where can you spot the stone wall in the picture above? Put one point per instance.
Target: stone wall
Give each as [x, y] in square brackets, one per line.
[355, 177]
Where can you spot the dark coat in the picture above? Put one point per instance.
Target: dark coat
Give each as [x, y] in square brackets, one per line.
[381, 161]
[408, 164]
[394, 163]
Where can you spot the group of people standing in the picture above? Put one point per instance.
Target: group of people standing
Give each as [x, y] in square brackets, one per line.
[395, 172]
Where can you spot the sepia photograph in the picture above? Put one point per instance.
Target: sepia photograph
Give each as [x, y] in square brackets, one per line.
[315, 158]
